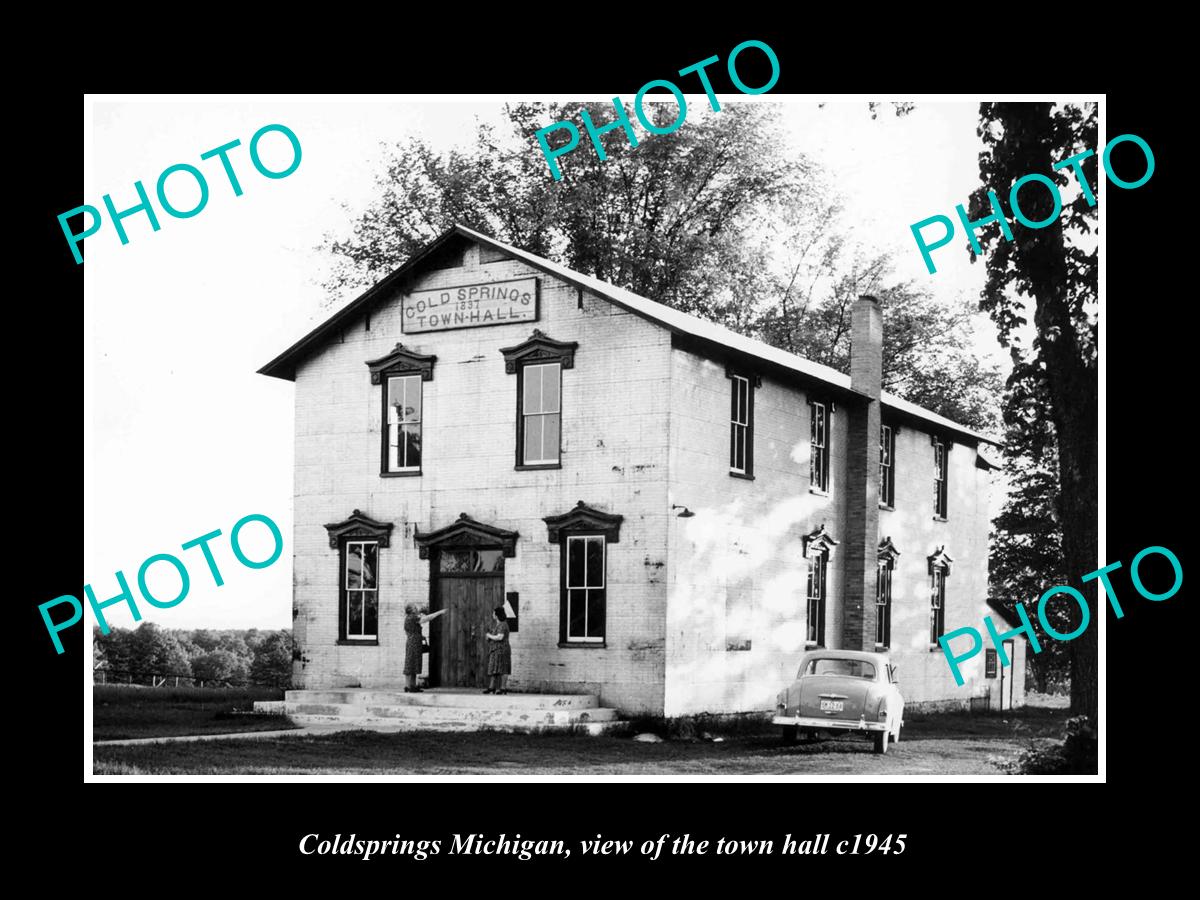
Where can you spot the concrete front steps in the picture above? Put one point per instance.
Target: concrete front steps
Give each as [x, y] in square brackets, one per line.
[447, 709]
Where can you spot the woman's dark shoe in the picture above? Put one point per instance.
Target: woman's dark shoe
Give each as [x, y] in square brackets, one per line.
[408, 690]
[488, 691]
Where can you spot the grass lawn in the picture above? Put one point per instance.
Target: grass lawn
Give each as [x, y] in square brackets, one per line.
[121, 711]
[941, 744]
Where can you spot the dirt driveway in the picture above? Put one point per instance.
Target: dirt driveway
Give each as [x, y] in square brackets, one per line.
[946, 744]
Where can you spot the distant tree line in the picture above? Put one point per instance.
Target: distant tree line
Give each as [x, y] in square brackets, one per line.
[203, 656]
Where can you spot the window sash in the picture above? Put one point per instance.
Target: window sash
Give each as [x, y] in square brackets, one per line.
[361, 587]
[886, 454]
[883, 603]
[404, 411]
[585, 587]
[939, 478]
[541, 414]
[816, 599]
[937, 605]
[818, 440]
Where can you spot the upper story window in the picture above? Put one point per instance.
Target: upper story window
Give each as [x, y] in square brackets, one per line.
[402, 373]
[940, 473]
[741, 421]
[540, 415]
[887, 465]
[358, 541]
[819, 440]
[404, 423]
[538, 364]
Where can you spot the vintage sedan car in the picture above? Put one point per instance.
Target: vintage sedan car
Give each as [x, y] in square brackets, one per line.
[842, 690]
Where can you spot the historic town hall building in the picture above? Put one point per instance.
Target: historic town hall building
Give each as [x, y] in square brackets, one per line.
[672, 511]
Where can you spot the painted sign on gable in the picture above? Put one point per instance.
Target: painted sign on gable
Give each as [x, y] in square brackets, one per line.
[470, 306]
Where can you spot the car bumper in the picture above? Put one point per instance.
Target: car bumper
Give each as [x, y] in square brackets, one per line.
[831, 724]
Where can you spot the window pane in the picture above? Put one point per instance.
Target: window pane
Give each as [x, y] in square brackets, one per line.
[489, 561]
[412, 398]
[733, 447]
[533, 439]
[369, 561]
[354, 608]
[576, 612]
[354, 566]
[412, 446]
[371, 613]
[454, 561]
[550, 388]
[575, 571]
[532, 376]
[595, 613]
[395, 400]
[734, 411]
[550, 445]
[595, 562]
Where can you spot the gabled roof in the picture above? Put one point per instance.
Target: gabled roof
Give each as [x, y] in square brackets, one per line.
[706, 336]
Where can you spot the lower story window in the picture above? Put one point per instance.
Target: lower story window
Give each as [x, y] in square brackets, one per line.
[816, 598]
[360, 591]
[937, 604]
[584, 588]
[883, 604]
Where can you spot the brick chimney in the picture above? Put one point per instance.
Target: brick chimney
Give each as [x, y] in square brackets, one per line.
[861, 541]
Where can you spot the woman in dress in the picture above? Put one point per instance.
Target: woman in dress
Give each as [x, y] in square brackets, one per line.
[499, 663]
[413, 620]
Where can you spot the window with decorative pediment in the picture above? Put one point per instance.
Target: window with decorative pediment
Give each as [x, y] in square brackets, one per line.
[817, 549]
[402, 374]
[538, 364]
[883, 593]
[583, 535]
[939, 571]
[358, 541]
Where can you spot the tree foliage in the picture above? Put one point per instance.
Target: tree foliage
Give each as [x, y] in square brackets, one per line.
[704, 220]
[228, 656]
[1046, 277]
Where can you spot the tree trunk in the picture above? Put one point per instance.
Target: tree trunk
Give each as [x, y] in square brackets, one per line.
[1073, 401]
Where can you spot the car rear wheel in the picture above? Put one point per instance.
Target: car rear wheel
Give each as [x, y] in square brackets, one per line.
[790, 733]
[881, 741]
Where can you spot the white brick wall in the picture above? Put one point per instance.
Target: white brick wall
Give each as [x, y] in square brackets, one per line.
[614, 439]
[746, 541]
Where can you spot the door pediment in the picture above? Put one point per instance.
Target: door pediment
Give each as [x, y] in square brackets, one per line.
[467, 532]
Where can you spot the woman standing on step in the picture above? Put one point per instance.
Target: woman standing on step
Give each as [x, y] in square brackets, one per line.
[499, 664]
[414, 645]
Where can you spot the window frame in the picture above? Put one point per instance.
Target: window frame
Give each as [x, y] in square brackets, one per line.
[887, 466]
[522, 415]
[883, 603]
[564, 637]
[752, 381]
[817, 562]
[941, 478]
[937, 603]
[387, 378]
[819, 452]
[344, 590]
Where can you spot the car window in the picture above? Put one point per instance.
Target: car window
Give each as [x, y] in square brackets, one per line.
[850, 668]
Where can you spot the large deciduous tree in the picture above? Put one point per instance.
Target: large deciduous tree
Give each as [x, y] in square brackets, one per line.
[1049, 274]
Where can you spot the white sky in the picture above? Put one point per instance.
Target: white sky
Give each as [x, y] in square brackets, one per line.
[182, 437]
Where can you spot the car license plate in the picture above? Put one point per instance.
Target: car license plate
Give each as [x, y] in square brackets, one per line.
[833, 705]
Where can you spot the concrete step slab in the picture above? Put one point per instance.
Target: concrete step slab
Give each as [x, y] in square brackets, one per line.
[444, 698]
[329, 724]
[434, 715]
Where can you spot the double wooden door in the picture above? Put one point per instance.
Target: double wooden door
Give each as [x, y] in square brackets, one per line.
[469, 585]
